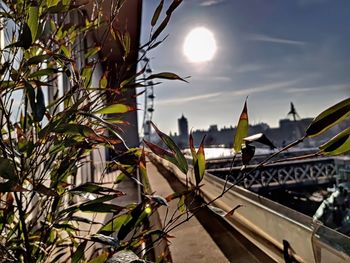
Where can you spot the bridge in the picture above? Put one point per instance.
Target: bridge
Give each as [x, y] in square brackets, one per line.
[282, 174]
[260, 230]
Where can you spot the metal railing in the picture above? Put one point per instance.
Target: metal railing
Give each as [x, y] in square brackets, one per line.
[268, 224]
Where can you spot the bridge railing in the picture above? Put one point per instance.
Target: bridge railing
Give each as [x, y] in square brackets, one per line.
[271, 226]
[320, 170]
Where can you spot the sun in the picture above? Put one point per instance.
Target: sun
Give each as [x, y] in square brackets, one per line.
[199, 45]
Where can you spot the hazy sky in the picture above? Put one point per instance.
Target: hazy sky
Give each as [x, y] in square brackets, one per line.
[274, 51]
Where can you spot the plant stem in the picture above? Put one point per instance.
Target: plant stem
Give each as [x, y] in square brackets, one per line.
[24, 231]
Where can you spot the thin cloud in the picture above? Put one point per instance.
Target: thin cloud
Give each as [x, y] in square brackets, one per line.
[263, 88]
[266, 38]
[210, 2]
[188, 99]
[334, 87]
[247, 68]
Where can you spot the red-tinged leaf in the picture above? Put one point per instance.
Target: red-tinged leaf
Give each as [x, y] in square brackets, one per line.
[161, 152]
[193, 150]
[104, 139]
[231, 212]
[181, 161]
[241, 130]
[115, 109]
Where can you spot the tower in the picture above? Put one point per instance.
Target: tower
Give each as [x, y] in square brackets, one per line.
[183, 128]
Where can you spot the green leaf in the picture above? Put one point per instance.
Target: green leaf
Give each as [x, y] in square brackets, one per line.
[166, 75]
[126, 43]
[92, 52]
[143, 173]
[100, 259]
[193, 150]
[136, 215]
[115, 109]
[157, 13]
[103, 81]
[79, 253]
[38, 59]
[180, 158]
[40, 105]
[95, 189]
[169, 156]
[181, 207]
[43, 72]
[241, 130]
[33, 20]
[160, 28]
[199, 165]
[7, 169]
[100, 208]
[114, 224]
[107, 240]
[339, 144]
[329, 118]
[74, 129]
[25, 38]
[11, 186]
[261, 138]
[173, 6]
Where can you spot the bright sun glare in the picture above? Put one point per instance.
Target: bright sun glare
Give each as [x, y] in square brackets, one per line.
[199, 45]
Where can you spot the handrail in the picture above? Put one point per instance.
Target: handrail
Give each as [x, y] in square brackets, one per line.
[267, 223]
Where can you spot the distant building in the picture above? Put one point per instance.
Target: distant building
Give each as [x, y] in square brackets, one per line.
[288, 131]
[183, 131]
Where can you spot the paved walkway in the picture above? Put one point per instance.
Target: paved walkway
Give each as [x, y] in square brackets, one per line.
[192, 243]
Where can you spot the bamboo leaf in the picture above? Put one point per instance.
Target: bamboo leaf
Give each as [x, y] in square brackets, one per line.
[160, 28]
[162, 153]
[157, 13]
[95, 189]
[126, 43]
[339, 144]
[180, 158]
[100, 259]
[329, 118]
[25, 38]
[33, 21]
[166, 75]
[181, 207]
[143, 173]
[43, 72]
[7, 169]
[261, 138]
[107, 240]
[241, 130]
[79, 253]
[193, 150]
[92, 52]
[74, 129]
[114, 224]
[115, 109]
[103, 81]
[173, 6]
[199, 165]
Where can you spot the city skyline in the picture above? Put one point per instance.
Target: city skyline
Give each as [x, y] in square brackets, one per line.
[274, 52]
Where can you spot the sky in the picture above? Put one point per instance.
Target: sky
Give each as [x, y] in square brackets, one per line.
[273, 51]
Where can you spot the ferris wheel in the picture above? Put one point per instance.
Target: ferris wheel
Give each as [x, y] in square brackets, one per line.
[148, 101]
